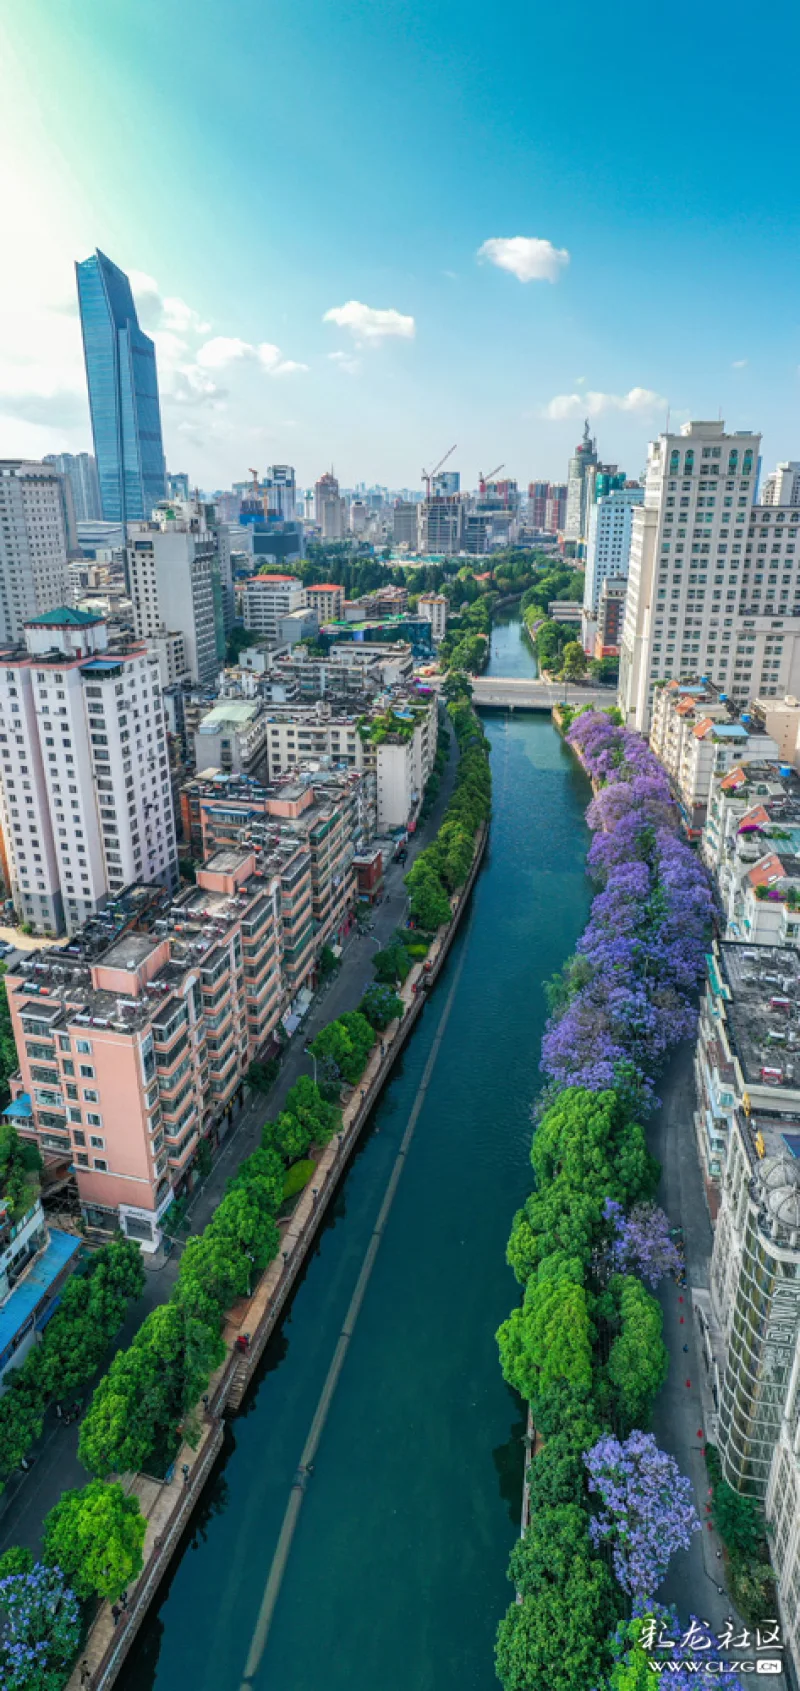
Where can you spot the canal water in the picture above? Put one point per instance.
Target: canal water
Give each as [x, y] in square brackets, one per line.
[511, 653]
[396, 1576]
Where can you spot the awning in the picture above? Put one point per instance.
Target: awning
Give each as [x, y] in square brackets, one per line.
[19, 1108]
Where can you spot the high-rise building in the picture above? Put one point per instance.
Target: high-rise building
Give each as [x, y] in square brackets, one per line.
[34, 544]
[326, 489]
[434, 607]
[446, 482]
[85, 798]
[123, 393]
[555, 514]
[80, 469]
[609, 540]
[696, 602]
[538, 495]
[441, 524]
[170, 563]
[404, 524]
[584, 457]
[178, 485]
[280, 491]
[782, 485]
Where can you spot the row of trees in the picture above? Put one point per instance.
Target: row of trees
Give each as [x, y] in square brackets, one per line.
[92, 1309]
[445, 864]
[585, 1346]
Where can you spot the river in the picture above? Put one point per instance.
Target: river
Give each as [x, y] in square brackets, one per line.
[396, 1576]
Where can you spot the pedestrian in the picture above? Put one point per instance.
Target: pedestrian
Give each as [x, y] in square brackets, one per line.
[124, 1599]
[115, 1610]
[86, 1674]
[59, 1412]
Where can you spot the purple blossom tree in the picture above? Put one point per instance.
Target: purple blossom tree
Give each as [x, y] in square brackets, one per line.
[42, 1629]
[647, 1510]
[641, 1242]
[655, 1634]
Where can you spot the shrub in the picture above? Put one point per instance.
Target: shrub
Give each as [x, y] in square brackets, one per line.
[297, 1177]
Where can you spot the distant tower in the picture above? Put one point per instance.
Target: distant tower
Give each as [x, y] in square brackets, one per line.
[585, 454]
[123, 393]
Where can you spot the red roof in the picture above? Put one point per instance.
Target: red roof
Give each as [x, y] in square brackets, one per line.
[271, 576]
[326, 587]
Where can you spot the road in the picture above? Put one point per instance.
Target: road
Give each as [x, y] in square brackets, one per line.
[28, 1497]
[532, 693]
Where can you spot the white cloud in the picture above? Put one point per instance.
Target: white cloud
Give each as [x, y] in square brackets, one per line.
[222, 350]
[346, 362]
[526, 256]
[371, 323]
[592, 404]
[738, 363]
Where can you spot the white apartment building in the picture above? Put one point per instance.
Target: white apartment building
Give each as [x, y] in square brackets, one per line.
[85, 800]
[34, 544]
[751, 844]
[266, 599]
[434, 607]
[689, 564]
[782, 485]
[609, 543]
[401, 761]
[170, 565]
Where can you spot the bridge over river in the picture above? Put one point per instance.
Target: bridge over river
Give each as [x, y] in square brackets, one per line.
[530, 692]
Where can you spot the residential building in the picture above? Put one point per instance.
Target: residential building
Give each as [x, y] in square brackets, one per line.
[584, 456]
[751, 844]
[80, 470]
[755, 1265]
[434, 607]
[689, 562]
[171, 565]
[268, 598]
[327, 599]
[782, 485]
[298, 625]
[359, 516]
[325, 489]
[34, 545]
[696, 733]
[35, 1262]
[233, 737]
[555, 515]
[396, 744]
[133, 1043]
[609, 541]
[280, 491]
[123, 393]
[780, 718]
[85, 802]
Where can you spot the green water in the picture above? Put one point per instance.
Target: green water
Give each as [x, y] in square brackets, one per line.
[396, 1577]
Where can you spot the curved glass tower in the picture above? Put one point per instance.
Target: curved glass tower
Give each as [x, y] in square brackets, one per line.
[123, 393]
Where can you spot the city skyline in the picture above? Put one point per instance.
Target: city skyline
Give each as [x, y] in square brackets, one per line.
[376, 320]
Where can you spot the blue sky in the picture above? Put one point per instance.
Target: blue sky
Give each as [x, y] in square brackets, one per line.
[261, 167]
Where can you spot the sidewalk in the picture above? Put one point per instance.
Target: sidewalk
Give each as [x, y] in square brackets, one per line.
[29, 1497]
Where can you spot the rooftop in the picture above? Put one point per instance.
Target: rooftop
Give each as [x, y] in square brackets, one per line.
[64, 617]
[28, 1293]
[763, 1010]
[228, 710]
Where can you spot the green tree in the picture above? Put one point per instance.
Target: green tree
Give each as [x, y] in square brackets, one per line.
[430, 905]
[638, 1359]
[305, 1101]
[14, 1561]
[554, 1640]
[262, 1076]
[345, 1044]
[392, 964]
[95, 1537]
[550, 1337]
[574, 662]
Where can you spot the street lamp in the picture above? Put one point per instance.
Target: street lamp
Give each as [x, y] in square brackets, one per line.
[309, 1053]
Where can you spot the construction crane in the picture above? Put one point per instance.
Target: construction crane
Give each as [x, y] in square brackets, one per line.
[483, 480]
[256, 490]
[428, 475]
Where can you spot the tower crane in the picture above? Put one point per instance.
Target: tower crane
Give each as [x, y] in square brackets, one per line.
[254, 474]
[482, 479]
[428, 475]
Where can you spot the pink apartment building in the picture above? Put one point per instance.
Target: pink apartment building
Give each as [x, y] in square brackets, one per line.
[133, 1043]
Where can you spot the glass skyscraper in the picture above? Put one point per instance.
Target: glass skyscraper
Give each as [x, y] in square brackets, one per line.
[123, 393]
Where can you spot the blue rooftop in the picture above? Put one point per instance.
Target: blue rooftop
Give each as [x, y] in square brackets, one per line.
[27, 1296]
[101, 663]
[730, 731]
